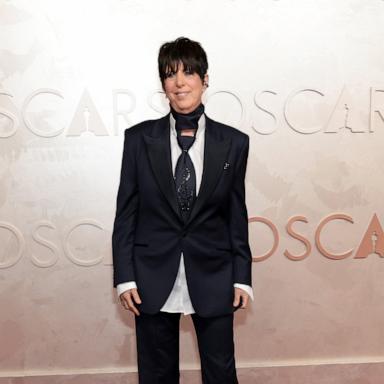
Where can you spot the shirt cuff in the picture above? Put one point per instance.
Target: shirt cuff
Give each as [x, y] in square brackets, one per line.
[121, 288]
[245, 288]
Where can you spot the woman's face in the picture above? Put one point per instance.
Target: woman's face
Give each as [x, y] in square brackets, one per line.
[184, 89]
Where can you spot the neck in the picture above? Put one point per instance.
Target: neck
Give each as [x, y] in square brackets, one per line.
[188, 132]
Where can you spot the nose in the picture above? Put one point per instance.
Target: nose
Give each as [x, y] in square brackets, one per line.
[179, 78]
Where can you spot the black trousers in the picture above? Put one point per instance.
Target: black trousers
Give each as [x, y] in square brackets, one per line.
[157, 339]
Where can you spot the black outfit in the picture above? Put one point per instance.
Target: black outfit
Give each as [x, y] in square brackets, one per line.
[158, 348]
[150, 232]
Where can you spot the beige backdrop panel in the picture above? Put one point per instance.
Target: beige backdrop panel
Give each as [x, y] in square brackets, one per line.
[303, 78]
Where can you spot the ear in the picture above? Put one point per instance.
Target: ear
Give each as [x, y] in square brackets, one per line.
[206, 81]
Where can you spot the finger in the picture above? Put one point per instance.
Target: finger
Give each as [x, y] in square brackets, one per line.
[131, 306]
[123, 299]
[124, 303]
[236, 300]
[136, 296]
[245, 301]
[127, 303]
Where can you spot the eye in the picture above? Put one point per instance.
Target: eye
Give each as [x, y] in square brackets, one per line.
[169, 74]
[188, 71]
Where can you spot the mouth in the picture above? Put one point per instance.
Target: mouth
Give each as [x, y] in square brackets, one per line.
[181, 94]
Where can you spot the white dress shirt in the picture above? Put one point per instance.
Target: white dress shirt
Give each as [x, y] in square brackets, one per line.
[179, 300]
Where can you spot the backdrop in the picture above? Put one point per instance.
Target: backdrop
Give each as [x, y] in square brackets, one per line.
[303, 78]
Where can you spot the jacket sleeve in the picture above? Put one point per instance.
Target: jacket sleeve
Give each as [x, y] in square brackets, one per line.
[242, 262]
[126, 210]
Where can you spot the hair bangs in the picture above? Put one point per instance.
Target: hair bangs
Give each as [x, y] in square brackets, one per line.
[185, 51]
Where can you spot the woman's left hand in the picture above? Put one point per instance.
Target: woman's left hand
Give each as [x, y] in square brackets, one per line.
[240, 296]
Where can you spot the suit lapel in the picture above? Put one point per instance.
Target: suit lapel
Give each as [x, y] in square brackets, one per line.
[159, 153]
[215, 154]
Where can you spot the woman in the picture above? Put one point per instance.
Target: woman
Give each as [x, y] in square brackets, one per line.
[180, 238]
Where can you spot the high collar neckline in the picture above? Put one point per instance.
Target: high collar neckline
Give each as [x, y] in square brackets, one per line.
[188, 120]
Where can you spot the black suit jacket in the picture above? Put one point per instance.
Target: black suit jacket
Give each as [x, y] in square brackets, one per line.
[149, 234]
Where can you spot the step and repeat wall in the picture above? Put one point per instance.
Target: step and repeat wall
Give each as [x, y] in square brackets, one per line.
[303, 78]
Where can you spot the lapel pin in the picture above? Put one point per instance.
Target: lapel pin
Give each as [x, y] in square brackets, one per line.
[226, 165]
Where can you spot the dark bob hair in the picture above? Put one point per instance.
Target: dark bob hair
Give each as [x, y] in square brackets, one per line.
[182, 50]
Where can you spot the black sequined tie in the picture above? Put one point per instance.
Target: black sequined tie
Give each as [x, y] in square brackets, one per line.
[185, 177]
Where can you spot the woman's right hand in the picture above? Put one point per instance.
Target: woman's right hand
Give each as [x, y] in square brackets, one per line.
[128, 300]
